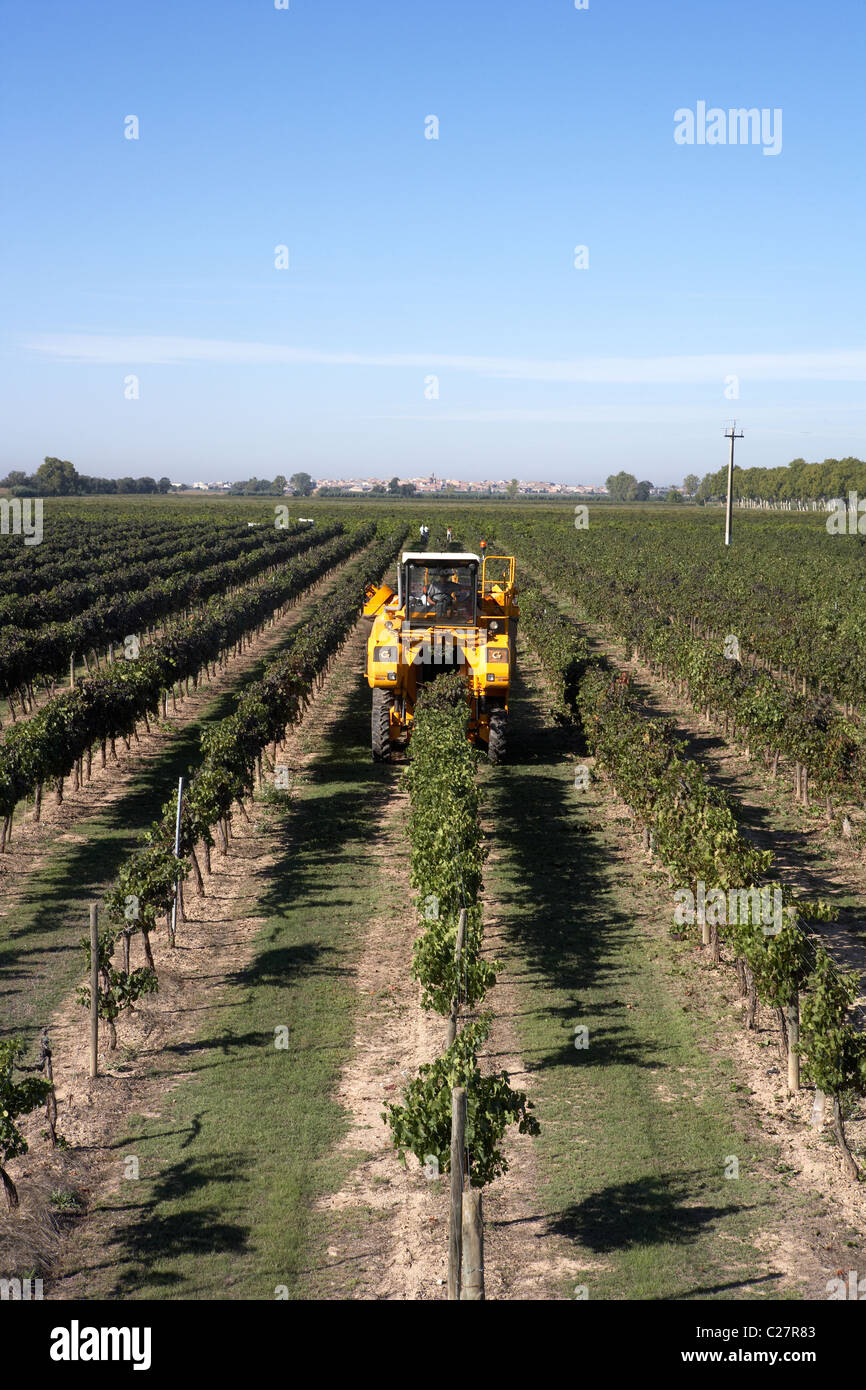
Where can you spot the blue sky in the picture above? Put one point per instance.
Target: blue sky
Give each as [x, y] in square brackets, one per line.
[411, 257]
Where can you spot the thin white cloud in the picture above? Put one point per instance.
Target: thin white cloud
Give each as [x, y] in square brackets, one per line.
[112, 350]
[626, 415]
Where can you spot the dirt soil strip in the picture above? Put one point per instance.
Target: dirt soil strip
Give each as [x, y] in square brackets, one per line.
[66, 826]
[393, 1037]
[157, 1041]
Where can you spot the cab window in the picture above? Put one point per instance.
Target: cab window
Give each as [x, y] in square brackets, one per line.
[441, 593]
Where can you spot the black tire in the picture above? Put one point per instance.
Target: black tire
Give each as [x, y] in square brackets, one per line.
[496, 735]
[381, 725]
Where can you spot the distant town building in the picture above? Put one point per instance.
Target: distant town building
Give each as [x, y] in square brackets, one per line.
[432, 484]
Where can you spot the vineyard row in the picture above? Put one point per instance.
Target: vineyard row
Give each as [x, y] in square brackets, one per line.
[103, 707]
[693, 829]
[792, 595]
[233, 751]
[27, 654]
[774, 720]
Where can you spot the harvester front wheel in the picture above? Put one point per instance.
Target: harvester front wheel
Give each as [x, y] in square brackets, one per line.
[496, 735]
[381, 725]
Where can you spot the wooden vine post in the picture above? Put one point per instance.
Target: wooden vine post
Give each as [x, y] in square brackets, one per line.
[51, 1098]
[472, 1275]
[173, 929]
[94, 990]
[455, 1225]
[706, 936]
[792, 1021]
[458, 952]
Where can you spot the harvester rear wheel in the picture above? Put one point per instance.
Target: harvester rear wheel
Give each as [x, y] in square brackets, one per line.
[381, 725]
[496, 735]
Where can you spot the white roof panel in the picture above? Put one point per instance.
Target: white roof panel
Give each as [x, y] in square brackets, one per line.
[452, 555]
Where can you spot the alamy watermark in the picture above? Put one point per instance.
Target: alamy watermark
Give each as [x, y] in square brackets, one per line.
[77, 1343]
[20, 1290]
[737, 126]
[846, 520]
[840, 1289]
[737, 906]
[22, 517]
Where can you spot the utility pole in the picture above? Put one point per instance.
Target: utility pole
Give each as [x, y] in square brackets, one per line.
[729, 512]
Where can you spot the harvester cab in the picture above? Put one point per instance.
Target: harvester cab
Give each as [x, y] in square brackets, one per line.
[452, 611]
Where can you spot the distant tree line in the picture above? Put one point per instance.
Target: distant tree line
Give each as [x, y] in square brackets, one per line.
[791, 483]
[623, 487]
[798, 481]
[300, 483]
[58, 478]
[257, 487]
